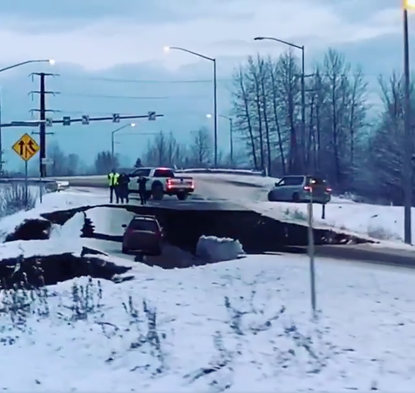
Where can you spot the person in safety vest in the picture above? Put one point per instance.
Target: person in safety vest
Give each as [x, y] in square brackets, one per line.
[113, 183]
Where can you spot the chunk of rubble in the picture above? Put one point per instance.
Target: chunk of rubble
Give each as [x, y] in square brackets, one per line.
[214, 249]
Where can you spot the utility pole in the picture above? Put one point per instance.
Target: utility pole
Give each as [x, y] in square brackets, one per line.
[42, 117]
[407, 160]
[1, 136]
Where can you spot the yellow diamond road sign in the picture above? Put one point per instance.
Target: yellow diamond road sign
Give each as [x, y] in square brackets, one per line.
[26, 147]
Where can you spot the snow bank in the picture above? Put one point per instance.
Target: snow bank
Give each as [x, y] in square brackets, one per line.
[106, 221]
[51, 202]
[376, 222]
[214, 249]
[32, 248]
[245, 172]
[231, 326]
[71, 229]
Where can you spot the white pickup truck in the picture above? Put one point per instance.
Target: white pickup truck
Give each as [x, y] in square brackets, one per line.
[162, 181]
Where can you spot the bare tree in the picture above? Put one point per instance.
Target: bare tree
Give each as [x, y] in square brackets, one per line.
[201, 147]
[73, 164]
[104, 163]
[59, 161]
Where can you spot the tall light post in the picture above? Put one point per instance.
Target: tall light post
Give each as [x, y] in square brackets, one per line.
[311, 250]
[407, 166]
[51, 62]
[302, 48]
[215, 101]
[230, 134]
[113, 142]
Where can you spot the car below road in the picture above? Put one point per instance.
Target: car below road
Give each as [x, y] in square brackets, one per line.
[300, 189]
[143, 235]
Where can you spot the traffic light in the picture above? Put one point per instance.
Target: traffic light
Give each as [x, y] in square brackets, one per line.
[66, 121]
[116, 118]
[49, 122]
[85, 119]
[152, 115]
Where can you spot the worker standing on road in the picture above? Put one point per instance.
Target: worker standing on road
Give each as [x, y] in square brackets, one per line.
[123, 182]
[113, 177]
[142, 189]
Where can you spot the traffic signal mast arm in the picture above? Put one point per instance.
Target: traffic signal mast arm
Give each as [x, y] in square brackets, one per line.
[35, 123]
[105, 118]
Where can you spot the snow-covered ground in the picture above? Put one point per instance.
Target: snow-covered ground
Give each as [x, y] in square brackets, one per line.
[374, 221]
[51, 202]
[239, 326]
[377, 222]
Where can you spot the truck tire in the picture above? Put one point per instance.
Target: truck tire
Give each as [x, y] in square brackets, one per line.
[157, 191]
[182, 196]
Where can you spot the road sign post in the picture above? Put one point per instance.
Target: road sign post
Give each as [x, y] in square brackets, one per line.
[26, 147]
[26, 187]
[311, 253]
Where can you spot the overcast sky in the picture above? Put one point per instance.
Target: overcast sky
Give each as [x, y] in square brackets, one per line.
[125, 39]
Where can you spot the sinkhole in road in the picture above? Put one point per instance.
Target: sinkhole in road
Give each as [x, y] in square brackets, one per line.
[183, 228]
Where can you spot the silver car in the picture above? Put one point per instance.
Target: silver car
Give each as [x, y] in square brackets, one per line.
[300, 189]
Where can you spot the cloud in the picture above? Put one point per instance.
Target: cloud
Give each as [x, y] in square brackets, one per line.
[129, 31]
[124, 39]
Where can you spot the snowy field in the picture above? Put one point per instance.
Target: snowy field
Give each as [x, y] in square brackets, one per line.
[237, 326]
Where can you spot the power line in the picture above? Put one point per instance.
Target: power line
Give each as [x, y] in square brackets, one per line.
[178, 81]
[81, 95]
[113, 96]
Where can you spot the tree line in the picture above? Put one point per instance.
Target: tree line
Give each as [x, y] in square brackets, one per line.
[344, 137]
[349, 136]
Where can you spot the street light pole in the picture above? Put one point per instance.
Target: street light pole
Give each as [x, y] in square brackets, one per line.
[230, 137]
[113, 141]
[215, 114]
[311, 249]
[303, 106]
[215, 95]
[407, 167]
[51, 62]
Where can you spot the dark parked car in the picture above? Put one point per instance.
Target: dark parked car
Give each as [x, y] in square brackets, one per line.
[300, 189]
[143, 235]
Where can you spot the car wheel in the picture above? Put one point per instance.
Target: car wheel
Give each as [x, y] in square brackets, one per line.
[124, 250]
[157, 192]
[181, 196]
[296, 197]
[271, 197]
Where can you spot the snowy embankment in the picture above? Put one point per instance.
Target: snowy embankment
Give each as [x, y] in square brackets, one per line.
[374, 221]
[239, 327]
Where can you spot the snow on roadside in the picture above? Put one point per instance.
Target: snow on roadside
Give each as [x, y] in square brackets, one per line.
[260, 339]
[51, 202]
[110, 224]
[383, 223]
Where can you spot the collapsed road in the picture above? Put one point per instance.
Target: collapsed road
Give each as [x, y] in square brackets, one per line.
[258, 234]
